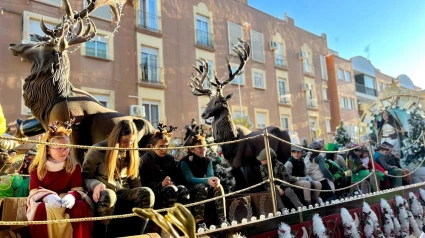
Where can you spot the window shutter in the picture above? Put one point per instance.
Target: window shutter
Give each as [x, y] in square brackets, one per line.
[235, 32]
[257, 45]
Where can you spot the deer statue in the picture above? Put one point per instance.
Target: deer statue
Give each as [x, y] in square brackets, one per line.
[242, 154]
[50, 95]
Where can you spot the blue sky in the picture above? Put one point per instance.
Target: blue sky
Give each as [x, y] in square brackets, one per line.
[394, 30]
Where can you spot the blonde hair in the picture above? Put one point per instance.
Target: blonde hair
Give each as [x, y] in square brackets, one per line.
[122, 128]
[40, 159]
[196, 140]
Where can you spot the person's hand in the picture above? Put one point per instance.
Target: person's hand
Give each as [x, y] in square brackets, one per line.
[385, 172]
[167, 182]
[213, 182]
[281, 191]
[96, 192]
[263, 161]
[53, 200]
[348, 173]
[68, 201]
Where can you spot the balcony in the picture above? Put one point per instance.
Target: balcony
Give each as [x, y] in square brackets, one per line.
[308, 69]
[360, 88]
[281, 61]
[151, 76]
[312, 102]
[285, 99]
[149, 22]
[204, 38]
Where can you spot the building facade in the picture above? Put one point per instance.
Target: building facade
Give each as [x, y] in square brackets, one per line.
[291, 80]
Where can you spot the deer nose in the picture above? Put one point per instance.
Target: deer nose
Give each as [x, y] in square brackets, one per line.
[12, 45]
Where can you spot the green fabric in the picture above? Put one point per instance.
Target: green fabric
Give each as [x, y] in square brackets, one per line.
[336, 170]
[356, 177]
[24, 190]
[331, 147]
[8, 185]
[380, 175]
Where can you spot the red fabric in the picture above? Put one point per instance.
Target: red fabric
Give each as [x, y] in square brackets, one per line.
[61, 182]
[377, 166]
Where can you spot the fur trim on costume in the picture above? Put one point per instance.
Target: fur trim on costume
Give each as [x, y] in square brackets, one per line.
[54, 167]
[403, 217]
[416, 209]
[350, 228]
[319, 230]
[370, 222]
[238, 235]
[284, 231]
[389, 229]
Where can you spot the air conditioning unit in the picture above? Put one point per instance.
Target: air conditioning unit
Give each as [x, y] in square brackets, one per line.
[305, 87]
[273, 45]
[137, 110]
[303, 55]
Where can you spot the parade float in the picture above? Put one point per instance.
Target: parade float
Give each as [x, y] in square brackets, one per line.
[396, 212]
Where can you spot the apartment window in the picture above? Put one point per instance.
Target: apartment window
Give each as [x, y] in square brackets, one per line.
[259, 80]
[351, 104]
[150, 69]
[257, 45]
[234, 32]
[207, 83]
[148, 18]
[340, 74]
[56, 3]
[261, 119]
[323, 69]
[285, 122]
[385, 86]
[313, 128]
[280, 59]
[151, 112]
[238, 79]
[98, 47]
[347, 76]
[344, 102]
[284, 96]
[103, 99]
[325, 94]
[103, 12]
[308, 68]
[381, 87]
[34, 27]
[328, 125]
[203, 36]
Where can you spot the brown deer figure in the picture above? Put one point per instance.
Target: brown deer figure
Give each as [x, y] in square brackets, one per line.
[50, 95]
[242, 154]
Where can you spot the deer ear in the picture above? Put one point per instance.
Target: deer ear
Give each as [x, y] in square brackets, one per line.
[228, 97]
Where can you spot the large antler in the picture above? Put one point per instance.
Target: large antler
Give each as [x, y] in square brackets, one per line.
[243, 50]
[196, 83]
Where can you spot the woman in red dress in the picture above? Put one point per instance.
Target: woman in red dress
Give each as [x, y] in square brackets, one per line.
[56, 189]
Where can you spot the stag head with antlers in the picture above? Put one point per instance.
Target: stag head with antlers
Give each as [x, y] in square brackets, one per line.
[218, 102]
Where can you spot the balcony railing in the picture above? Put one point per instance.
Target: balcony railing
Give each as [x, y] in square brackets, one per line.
[149, 21]
[151, 74]
[204, 38]
[280, 61]
[312, 102]
[366, 90]
[285, 98]
[308, 69]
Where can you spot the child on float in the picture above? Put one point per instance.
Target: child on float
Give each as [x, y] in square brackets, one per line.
[316, 169]
[380, 172]
[297, 172]
[159, 171]
[56, 188]
[198, 172]
[359, 167]
[279, 172]
[112, 179]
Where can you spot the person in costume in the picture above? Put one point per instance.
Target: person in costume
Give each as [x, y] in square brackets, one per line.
[159, 171]
[56, 189]
[389, 130]
[279, 172]
[198, 172]
[359, 167]
[381, 173]
[316, 169]
[342, 178]
[112, 179]
[297, 172]
[383, 157]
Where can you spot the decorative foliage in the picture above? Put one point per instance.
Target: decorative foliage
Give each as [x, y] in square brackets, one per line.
[370, 223]
[341, 135]
[284, 231]
[350, 228]
[319, 229]
[415, 152]
[403, 216]
[389, 228]
[416, 209]
[221, 168]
